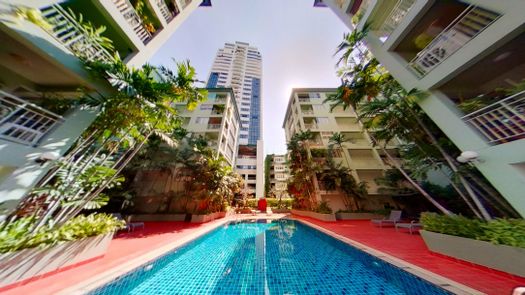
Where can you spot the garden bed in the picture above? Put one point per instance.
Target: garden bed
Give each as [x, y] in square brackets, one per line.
[500, 257]
[315, 215]
[158, 217]
[202, 218]
[357, 216]
[30, 263]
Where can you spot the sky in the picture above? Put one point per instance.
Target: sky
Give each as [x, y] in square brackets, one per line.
[296, 41]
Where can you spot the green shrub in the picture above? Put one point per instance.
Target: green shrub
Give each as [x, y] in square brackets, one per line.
[323, 208]
[499, 231]
[16, 235]
[252, 203]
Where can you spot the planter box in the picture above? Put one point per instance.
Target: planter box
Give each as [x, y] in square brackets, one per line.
[158, 217]
[357, 216]
[220, 215]
[501, 257]
[30, 263]
[315, 215]
[280, 210]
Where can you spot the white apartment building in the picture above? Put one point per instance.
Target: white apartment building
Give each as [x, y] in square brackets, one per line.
[463, 53]
[38, 63]
[306, 111]
[279, 174]
[217, 120]
[239, 66]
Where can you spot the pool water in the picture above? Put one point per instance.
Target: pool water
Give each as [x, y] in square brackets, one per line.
[268, 257]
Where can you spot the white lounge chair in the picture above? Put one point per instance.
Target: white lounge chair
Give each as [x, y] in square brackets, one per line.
[395, 217]
[130, 226]
[412, 226]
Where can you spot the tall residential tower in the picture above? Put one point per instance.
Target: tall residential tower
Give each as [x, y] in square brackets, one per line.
[239, 66]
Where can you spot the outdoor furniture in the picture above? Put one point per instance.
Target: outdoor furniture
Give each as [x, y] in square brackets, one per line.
[269, 211]
[130, 226]
[395, 216]
[412, 226]
[255, 212]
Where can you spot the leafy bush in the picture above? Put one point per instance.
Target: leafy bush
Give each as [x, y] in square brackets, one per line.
[323, 208]
[16, 235]
[499, 231]
[272, 203]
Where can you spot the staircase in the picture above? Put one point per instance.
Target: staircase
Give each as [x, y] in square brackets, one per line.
[464, 28]
[133, 19]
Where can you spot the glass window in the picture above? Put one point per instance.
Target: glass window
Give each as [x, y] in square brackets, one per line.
[201, 120]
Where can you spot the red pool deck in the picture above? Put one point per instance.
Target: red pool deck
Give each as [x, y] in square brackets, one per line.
[410, 248]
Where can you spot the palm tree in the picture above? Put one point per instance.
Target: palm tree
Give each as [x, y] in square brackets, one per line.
[338, 139]
[350, 42]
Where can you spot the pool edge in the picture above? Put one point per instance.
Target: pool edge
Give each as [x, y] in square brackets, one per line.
[115, 272]
[431, 277]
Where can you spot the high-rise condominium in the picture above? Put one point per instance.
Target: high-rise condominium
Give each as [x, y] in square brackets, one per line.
[239, 66]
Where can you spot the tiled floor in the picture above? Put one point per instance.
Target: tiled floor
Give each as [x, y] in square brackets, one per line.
[402, 245]
[412, 249]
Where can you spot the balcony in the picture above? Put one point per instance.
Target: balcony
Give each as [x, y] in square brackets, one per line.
[310, 125]
[168, 12]
[24, 122]
[132, 17]
[501, 122]
[392, 21]
[214, 126]
[67, 31]
[465, 27]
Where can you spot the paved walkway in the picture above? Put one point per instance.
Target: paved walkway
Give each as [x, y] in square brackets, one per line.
[410, 248]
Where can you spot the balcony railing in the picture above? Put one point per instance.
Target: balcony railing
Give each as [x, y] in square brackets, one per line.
[305, 99]
[502, 121]
[73, 35]
[310, 125]
[395, 17]
[464, 28]
[133, 19]
[24, 122]
[214, 126]
[164, 10]
[307, 112]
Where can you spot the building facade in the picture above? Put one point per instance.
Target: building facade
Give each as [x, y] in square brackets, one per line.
[306, 111]
[279, 174]
[239, 66]
[38, 64]
[468, 55]
[217, 120]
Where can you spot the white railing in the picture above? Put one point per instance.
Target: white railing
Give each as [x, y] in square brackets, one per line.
[133, 19]
[502, 121]
[214, 126]
[67, 30]
[310, 125]
[24, 122]
[395, 17]
[459, 32]
[164, 10]
[304, 99]
[184, 3]
[307, 112]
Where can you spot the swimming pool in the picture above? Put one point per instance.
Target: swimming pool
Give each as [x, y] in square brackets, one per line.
[267, 257]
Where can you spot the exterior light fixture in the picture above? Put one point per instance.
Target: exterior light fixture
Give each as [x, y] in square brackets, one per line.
[47, 156]
[467, 157]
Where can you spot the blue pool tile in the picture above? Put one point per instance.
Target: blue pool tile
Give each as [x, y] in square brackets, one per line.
[282, 257]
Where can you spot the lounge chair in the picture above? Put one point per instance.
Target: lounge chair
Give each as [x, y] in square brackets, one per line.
[130, 226]
[412, 226]
[395, 216]
[269, 211]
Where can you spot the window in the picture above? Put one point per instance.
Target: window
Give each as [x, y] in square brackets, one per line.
[245, 109]
[205, 107]
[314, 95]
[244, 136]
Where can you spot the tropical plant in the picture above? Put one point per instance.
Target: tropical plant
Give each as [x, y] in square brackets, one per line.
[323, 208]
[32, 15]
[92, 32]
[303, 171]
[17, 235]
